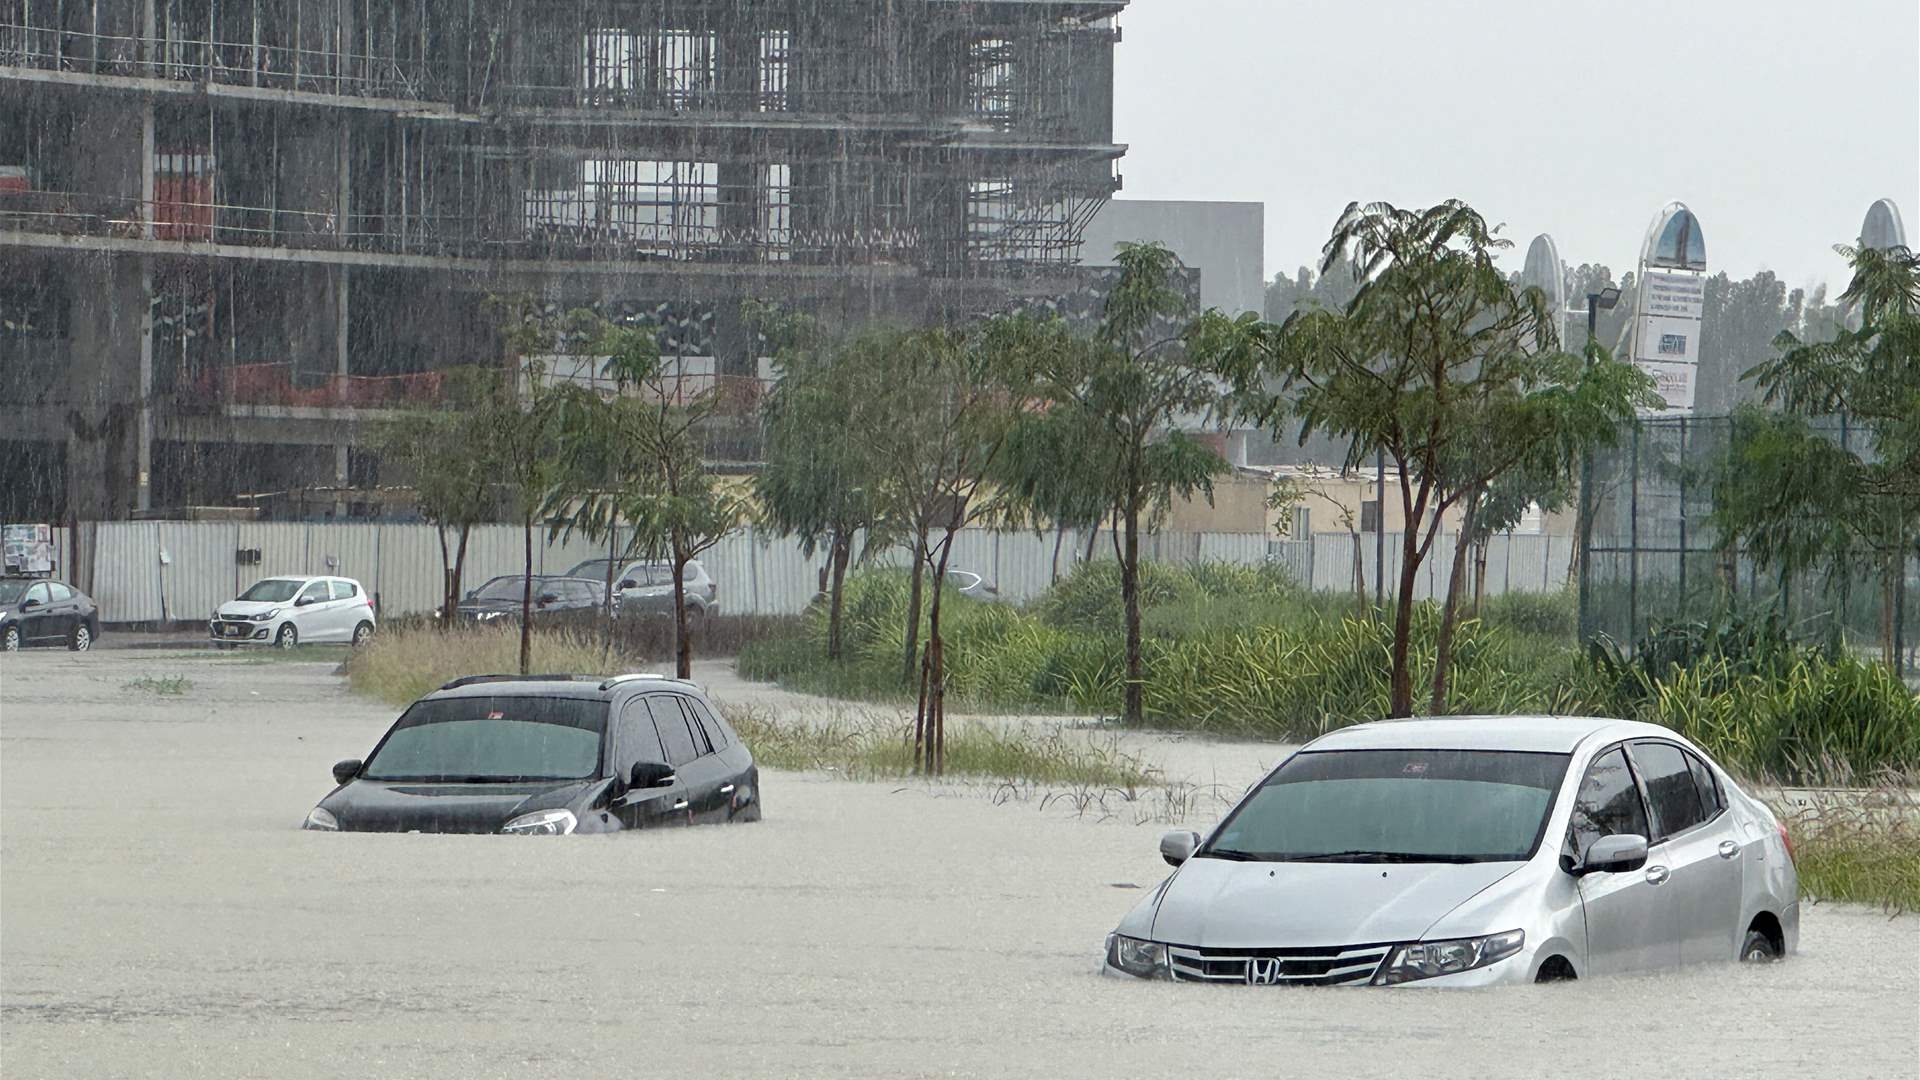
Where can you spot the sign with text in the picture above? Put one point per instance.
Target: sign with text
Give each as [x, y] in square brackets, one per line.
[1674, 383]
[1682, 296]
[1665, 339]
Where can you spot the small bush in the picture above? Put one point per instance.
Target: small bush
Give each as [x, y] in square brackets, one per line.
[1090, 596]
[403, 662]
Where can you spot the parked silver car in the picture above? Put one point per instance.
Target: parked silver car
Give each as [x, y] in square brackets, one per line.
[1470, 851]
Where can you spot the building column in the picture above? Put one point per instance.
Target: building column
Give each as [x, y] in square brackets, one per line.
[109, 423]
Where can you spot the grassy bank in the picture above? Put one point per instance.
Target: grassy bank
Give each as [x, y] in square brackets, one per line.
[410, 657]
[1243, 652]
[864, 746]
[1858, 846]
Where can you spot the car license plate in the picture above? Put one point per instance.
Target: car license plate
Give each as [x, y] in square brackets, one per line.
[233, 631]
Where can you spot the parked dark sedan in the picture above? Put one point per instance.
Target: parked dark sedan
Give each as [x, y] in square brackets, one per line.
[548, 755]
[41, 611]
[500, 597]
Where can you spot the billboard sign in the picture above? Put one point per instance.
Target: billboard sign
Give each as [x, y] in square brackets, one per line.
[1670, 305]
[1682, 296]
[1673, 382]
[26, 549]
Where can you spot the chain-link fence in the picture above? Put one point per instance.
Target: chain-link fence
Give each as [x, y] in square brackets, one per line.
[1653, 555]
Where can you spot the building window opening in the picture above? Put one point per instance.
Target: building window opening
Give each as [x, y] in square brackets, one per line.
[990, 81]
[776, 212]
[776, 66]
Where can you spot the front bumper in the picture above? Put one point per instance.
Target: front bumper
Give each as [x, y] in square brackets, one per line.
[1513, 970]
[236, 632]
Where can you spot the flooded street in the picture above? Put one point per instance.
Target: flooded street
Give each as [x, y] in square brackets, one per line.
[162, 915]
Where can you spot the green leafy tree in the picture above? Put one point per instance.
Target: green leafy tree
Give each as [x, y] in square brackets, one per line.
[1118, 401]
[1437, 363]
[820, 485]
[937, 405]
[635, 455]
[452, 461]
[525, 432]
[1804, 500]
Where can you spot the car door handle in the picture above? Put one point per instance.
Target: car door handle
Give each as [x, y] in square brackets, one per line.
[680, 804]
[728, 790]
[1728, 849]
[1656, 875]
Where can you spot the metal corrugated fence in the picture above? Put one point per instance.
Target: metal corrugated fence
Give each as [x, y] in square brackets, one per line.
[153, 571]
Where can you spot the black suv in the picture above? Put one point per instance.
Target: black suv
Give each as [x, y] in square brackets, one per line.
[547, 755]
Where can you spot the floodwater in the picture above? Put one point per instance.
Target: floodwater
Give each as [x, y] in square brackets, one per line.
[160, 915]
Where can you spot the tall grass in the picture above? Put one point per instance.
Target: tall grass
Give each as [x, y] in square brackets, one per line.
[403, 662]
[864, 746]
[1860, 846]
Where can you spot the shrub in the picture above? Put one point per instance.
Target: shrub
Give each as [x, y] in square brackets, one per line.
[1553, 615]
[1090, 596]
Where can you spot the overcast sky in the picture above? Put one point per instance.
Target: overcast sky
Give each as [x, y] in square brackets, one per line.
[1777, 121]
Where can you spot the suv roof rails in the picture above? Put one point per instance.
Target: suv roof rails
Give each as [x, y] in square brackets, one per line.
[469, 680]
[639, 675]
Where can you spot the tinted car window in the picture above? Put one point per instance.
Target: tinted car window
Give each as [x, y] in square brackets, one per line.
[716, 734]
[1608, 804]
[315, 591]
[672, 726]
[585, 592]
[492, 739]
[1397, 806]
[1709, 790]
[1670, 790]
[38, 592]
[638, 740]
[343, 590]
[60, 592]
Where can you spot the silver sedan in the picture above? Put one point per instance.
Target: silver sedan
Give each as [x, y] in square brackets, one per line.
[1471, 851]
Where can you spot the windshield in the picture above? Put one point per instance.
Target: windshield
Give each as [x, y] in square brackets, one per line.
[493, 740]
[506, 588]
[11, 591]
[592, 568]
[1396, 806]
[272, 591]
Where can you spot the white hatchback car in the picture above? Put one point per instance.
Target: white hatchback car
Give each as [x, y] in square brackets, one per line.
[289, 611]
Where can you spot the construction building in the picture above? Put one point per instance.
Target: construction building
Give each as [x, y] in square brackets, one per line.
[234, 233]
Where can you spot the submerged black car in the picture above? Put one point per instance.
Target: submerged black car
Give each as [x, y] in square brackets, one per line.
[547, 755]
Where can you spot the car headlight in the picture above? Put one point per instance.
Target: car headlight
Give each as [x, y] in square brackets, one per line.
[542, 823]
[1146, 959]
[320, 819]
[1426, 959]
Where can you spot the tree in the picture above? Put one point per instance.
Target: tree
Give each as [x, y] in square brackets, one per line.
[1117, 400]
[524, 432]
[635, 455]
[454, 465]
[820, 485]
[938, 405]
[1794, 498]
[1437, 363]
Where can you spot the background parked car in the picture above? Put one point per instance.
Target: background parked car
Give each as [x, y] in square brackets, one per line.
[645, 587]
[501, 597]
[42, 611]
[288, 611]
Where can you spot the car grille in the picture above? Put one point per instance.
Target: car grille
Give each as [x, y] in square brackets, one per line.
[1329, 966]
[233, 628]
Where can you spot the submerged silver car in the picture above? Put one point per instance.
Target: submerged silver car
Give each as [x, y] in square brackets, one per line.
[1471, 851]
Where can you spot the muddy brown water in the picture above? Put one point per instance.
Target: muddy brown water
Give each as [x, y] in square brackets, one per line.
[160, 915]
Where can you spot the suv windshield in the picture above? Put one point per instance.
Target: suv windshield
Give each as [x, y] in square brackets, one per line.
[272, 591]
[1396, 806]
[493, 740]
[507, 588]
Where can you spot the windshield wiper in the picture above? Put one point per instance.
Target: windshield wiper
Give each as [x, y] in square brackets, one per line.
[1230, 854]
[1365, 856]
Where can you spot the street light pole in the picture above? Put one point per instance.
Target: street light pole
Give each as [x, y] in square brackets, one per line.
[1605, 299]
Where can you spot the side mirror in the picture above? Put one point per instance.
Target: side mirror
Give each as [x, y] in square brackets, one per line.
[545, 599]
[29, 604]
[648, 774]
[303, 601]
[1613, 855]
[344, 771]
[1178, 846]
[628, 583]
[471, 593]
